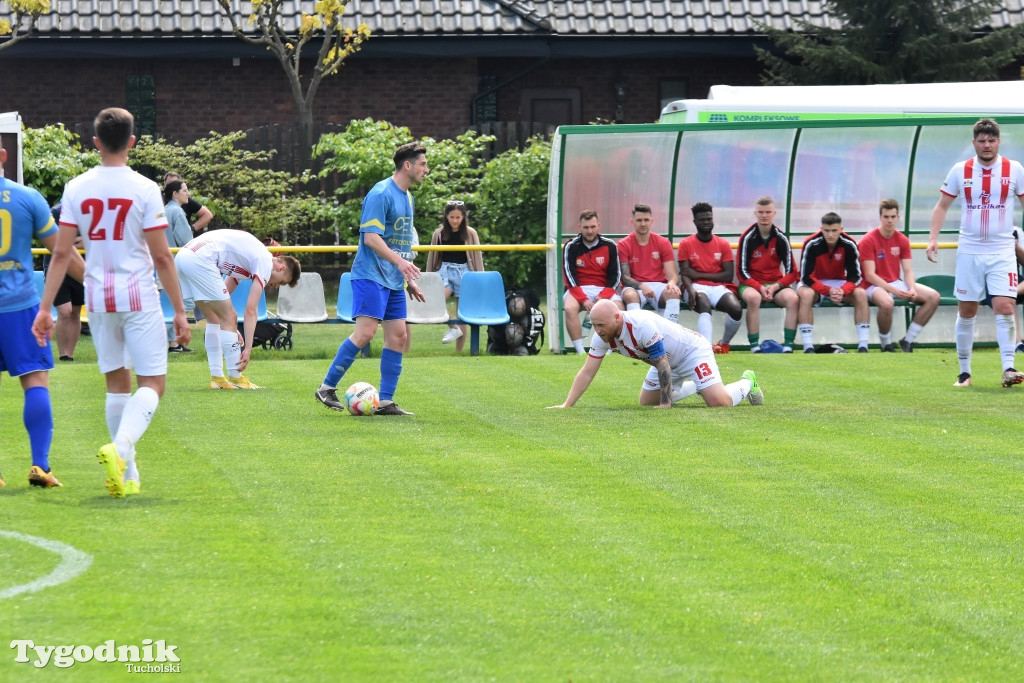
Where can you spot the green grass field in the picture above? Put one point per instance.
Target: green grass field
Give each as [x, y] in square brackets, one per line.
[864, 524]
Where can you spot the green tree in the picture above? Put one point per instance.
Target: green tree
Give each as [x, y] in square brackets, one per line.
[512, 201]
[892, 41]
[337, 44]
[20, 21]
[235, 184]
[362, 156]
[51, 156]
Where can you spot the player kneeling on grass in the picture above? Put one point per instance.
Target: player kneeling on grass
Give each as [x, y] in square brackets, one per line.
[682, 360]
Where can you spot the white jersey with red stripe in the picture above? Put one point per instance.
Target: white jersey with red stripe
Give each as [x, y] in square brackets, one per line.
[113, 207]
[647, 336]
[987, 194]
[236, 253]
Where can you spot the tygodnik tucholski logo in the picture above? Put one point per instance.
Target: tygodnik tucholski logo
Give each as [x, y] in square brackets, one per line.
[150, 657]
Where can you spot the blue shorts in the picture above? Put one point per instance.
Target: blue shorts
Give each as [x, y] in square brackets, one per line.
[374, 300]
[451, 276]
[19, 352]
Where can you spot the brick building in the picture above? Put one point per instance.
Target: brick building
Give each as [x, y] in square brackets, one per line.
[436, 66]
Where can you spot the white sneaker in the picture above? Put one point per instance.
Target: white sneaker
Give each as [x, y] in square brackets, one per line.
[451, 335]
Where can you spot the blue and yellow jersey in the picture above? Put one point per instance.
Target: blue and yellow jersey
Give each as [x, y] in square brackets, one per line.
[387, 211]
[24, 216]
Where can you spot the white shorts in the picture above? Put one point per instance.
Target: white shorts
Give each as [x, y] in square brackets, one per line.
[199, 278]
[134, 339]
[699, 365]
[829, 283]
[898, 284]
[981, 274]
[714, 293]
[591, 291]
[654, 301]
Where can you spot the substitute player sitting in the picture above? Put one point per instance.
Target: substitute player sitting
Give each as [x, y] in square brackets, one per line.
[648, 265]
[201, 263]
[882, 252]
[707, 269]
[682, 362]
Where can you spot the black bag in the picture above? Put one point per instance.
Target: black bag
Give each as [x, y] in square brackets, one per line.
[523, 335]
[270, 335]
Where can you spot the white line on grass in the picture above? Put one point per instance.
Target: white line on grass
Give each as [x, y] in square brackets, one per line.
[73, 562]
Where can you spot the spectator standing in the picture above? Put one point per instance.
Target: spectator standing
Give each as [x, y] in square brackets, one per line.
[197, 215]
[830, 268]
[985, 263]
[707, 270]
[179, 233]
[649, 274]
[450, 265]
[68, 302]
[590, 271]
[883, 251]
[766, 272]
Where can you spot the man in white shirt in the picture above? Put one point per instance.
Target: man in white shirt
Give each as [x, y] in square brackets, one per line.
[682, 362]
[985, 260]
[120, 215]
[236, 255]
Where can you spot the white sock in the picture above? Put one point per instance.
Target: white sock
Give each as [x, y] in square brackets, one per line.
[114, 410]
[633, 307]
[578, 345]
[1005, 337]
[912, 331]
[232, 352]
[684, 390]
[213, 354]
[807, 335]
[138, 412]
[672, 310]
[731, 327]
[964, 342]
[130, 470]
[704, 326]
[863, 333]
[738, 390]
[885, 339]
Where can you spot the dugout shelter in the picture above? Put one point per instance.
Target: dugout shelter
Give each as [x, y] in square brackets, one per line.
[809, 167]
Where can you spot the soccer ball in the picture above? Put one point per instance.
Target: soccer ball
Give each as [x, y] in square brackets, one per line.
[517, 307]
[514, 334]
[361, 399]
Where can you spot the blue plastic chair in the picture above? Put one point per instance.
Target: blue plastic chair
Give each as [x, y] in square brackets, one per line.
[481, 303]
[40, 281]
[344, 308]
[241, 295]
[166, 307]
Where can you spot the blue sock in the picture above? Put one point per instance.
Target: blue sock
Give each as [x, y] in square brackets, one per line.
[342, 362]
[38, 418]
[390, 369]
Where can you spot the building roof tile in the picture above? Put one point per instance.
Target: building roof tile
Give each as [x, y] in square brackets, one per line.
[461, 17]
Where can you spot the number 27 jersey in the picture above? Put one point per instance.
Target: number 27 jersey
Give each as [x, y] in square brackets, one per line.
[113, 208]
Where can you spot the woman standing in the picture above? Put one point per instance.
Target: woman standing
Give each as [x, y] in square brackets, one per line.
[450, 265]
[179, 232]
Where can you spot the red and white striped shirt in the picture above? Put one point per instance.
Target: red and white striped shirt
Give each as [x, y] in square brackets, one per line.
[113, 207]
[986, 196]
[235, 253]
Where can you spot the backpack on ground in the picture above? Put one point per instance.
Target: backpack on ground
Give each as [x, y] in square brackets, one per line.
[523, 335]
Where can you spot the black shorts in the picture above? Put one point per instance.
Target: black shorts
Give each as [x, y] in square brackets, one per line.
[70, 290]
